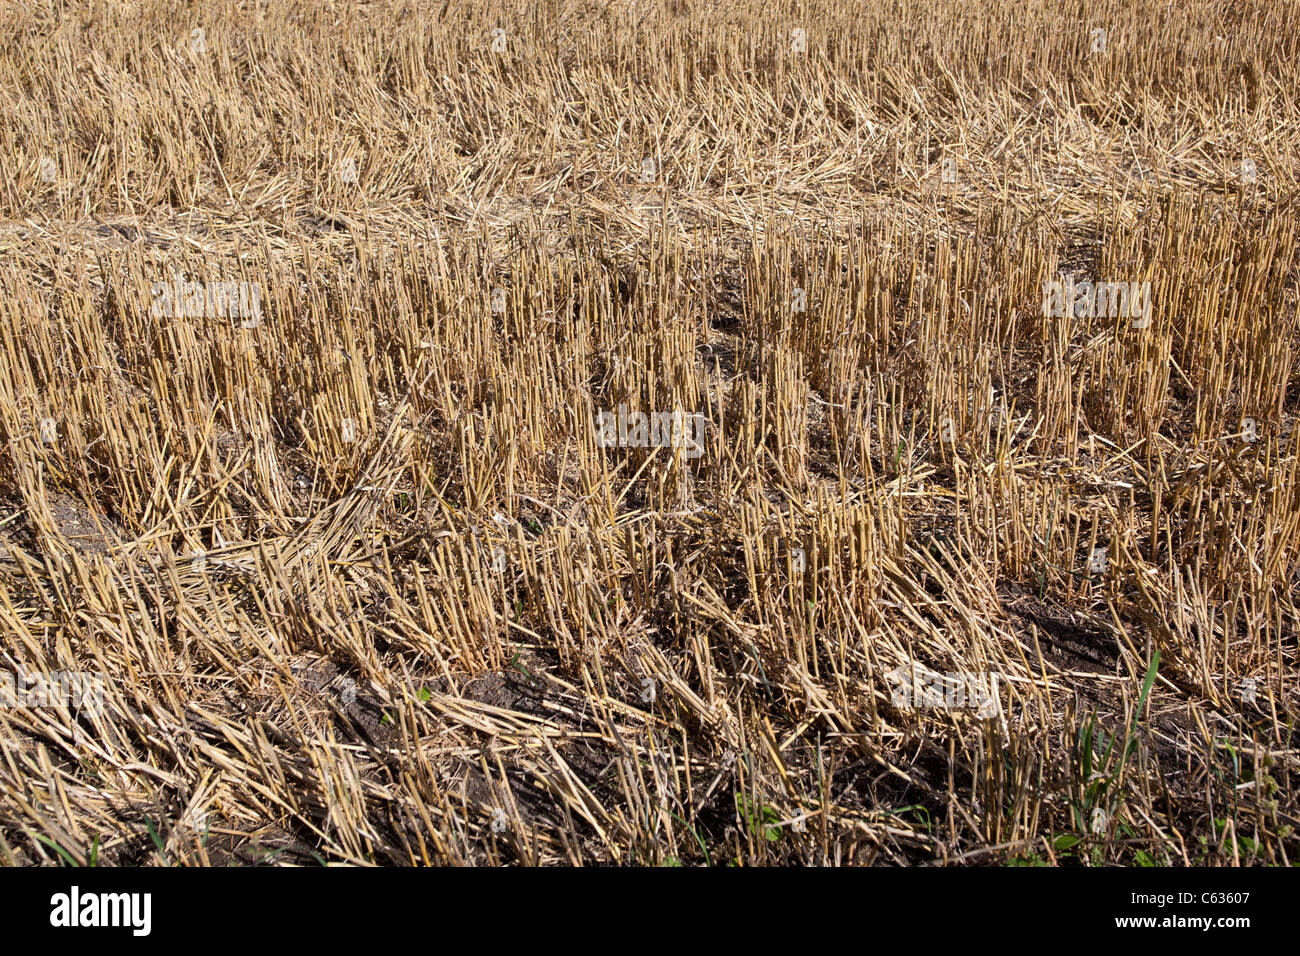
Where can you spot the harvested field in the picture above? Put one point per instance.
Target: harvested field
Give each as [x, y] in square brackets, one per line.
[962, 527]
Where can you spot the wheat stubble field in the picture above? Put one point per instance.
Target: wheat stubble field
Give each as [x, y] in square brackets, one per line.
[329, 532]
